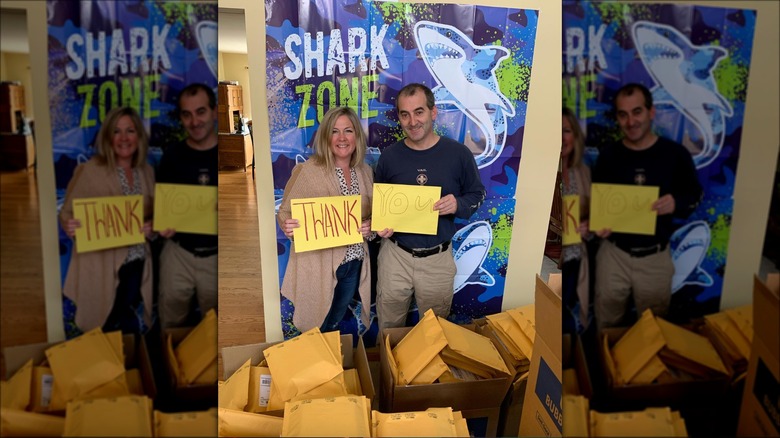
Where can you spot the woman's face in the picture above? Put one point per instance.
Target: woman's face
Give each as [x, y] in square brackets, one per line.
[567, 138]
[342, 140]
[125, 139]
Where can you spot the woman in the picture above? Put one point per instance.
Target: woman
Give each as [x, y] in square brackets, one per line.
[576, 181]
[321, 283]
[108, 286]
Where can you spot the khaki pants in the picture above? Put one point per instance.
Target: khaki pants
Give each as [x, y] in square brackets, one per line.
[183, 275]
[619, 276]
[401, 276]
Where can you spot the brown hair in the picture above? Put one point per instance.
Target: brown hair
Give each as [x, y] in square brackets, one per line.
[322, 153]
[412, 89]
[104, 143]
[575, 159]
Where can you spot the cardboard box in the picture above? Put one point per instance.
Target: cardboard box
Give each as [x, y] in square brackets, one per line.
[476, 399]
[760, 410]
[234, 357]
[542, 414]
[135, 351]
[574, 358]
[196, 394]
[676, 395]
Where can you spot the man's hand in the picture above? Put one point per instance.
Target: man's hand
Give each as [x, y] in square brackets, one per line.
[387, 232]
[664, 204]
[604, 232]
[168, 233]
[446, 205]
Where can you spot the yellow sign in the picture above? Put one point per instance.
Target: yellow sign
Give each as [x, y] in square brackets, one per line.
[187, 208]
[571, 220]
[108, 222]
[623, 208]
[326, 222]
[405, 208]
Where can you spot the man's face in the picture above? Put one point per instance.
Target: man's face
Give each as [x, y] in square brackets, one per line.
[416, 118]
[634, 118]
[197, 116]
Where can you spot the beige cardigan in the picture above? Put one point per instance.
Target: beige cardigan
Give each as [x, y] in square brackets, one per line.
[310, 276]
[92, 277]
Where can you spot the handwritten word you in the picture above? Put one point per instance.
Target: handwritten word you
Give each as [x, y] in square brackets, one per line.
[398, 203]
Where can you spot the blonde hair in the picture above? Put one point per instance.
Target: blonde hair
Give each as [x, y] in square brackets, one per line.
[321, 144]
[575, 159]
[104, 143]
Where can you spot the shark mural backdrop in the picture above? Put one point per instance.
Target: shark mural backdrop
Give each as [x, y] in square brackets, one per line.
[103, 54]
[360, 53]
[695, 60]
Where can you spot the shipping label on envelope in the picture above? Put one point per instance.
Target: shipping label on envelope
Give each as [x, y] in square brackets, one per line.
[623, 208]
[108, 222]
[187, 208]
[571, 220]
[326, 222]
[405, 208]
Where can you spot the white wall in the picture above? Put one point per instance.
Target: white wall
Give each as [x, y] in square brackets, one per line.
[235, 67]
[16, 67]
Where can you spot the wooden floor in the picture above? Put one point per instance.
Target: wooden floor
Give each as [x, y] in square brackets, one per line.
[22, 312]
[241, 318]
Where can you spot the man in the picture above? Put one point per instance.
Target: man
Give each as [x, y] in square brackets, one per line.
[188, 262]
[414, 264]
[641, 265]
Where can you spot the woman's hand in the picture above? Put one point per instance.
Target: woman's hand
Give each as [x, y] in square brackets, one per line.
[147, 229]
[289, 226]
[583, 229]
[70, 227]
[365, 228]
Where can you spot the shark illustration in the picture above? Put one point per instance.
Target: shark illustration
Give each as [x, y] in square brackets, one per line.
[689, 246]
[206, 33]
[470, 247]
[278, 196]
[466, 77]
[683, 76]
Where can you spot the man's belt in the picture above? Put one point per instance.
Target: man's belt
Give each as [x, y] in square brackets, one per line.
[201, 252]
[643, 251]
[422, 252]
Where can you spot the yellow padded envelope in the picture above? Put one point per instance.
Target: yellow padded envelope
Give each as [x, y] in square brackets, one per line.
[473, 346]
[84, 363]
[16, 391]
[198, 350]
[435, 368]
[301, 364]
[637, 346]
[201, 423]
[238, 423]
[509, 332]
[691, 346]
[234, 393]
[423, 342]
[656, 422]
[575, 421]
[120, 416]
[14, 422]
[259, 389]
[315, 417]
[431, 422]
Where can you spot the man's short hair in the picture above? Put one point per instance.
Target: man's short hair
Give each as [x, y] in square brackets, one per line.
[412, 89]
[193, 89]
[630, 89]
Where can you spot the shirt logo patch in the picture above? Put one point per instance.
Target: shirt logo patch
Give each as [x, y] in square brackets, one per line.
[640, 179]
[203, 179]
[422, 179]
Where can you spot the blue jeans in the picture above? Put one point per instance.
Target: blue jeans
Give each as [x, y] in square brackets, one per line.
[347, 280]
